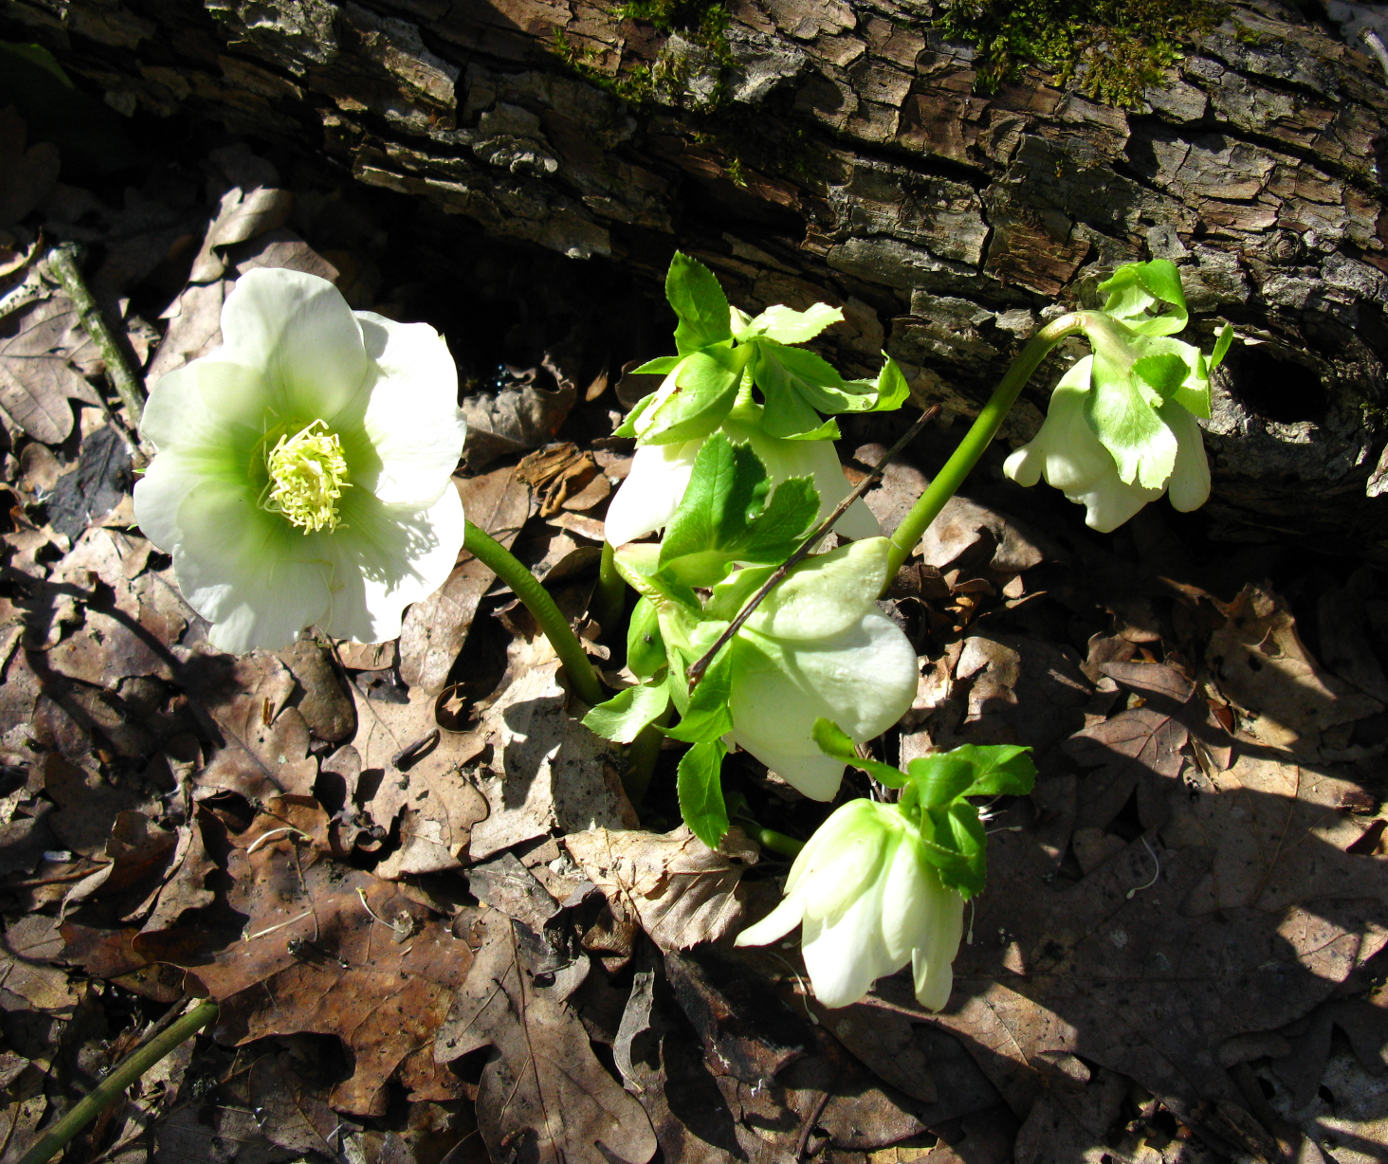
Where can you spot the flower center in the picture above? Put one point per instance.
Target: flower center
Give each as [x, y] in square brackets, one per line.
[307, 475]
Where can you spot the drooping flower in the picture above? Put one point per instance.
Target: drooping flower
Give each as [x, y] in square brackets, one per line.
[1071, 457]
[868, 901]
[819, 647]
[659, 475]
[303, 470]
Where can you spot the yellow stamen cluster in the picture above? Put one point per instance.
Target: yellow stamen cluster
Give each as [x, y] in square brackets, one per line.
[307, 476]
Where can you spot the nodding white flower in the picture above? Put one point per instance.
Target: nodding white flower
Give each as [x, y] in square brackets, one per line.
[867, 901]
[818, 646]
[303, 469]
[1071, 457]
[660, 474]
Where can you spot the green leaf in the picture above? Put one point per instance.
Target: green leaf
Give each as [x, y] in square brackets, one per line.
[1147, 297]
[942, 779]
[645, 645]
[834, 741]
[1164, 372]
[788, 326]
[729, 514]
[660, 366]
[999, 769]
[959, 829]
[1221, 348]
[801, 373]
[708, 714]
[700, 789]
[700, 396]
[699, 302]
[623, 717]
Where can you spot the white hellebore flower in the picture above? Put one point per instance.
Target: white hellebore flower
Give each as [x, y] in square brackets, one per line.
[1071, 457]
[659, 475]
[868, 901]
[818, 646]
[303, 469]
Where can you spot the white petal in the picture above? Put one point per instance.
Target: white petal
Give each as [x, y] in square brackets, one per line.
[774, 926]
[826, 594]
[845, 955]
[195, 404]
[864, 680]
[651, 493]
[932, 961]
[1111, 503]
[1189, 487]
[905, 898]
[257, 579]
[386, 557]
[412, 418]
[299, 329]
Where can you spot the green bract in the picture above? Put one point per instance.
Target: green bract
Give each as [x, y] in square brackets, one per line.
[302, 472]
[723, 354]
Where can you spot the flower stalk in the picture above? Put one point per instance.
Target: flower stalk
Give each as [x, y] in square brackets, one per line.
[109, 1090]
[553, 624]
[985, 427]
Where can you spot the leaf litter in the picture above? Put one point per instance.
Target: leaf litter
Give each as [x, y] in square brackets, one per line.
[415, 884]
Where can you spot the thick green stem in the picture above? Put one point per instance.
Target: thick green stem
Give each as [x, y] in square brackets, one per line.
[110, 1089]
[555, 626]
[610, 596]
[979, 436]
[775, 842]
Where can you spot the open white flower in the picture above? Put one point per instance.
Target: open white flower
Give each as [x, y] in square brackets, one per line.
[818, 646]
[1071, 457]
[868, 901]
[660, 474]
[303, 469]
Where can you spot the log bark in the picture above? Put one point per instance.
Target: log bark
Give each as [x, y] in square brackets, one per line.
[838, 150]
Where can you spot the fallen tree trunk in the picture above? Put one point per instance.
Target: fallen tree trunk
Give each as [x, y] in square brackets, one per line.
[832, 149]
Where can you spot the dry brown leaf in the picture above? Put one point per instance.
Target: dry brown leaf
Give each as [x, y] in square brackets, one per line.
[313, 958]
[435, 629]
[514, 417]
[37, 379]
[547, 772]
[420, 787]
[681, 891]
[544, 1096]
[31, 171]
[242, 215]
[265, 742]
[1261, 665]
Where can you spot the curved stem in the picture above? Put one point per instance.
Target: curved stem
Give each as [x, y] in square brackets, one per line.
[555, 626]
[985, 427]
[122, 1076]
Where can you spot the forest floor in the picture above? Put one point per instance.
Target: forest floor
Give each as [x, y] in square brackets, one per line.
[437, 928]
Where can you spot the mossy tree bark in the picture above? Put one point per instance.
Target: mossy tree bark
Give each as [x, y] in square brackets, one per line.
[838, 150]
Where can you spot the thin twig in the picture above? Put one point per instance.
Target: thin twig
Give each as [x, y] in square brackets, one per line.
[696, 672]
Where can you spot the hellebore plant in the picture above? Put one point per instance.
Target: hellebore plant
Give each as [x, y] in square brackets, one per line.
[303, 470]
[796, 664]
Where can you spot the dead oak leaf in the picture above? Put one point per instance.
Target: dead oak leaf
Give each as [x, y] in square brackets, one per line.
[412, 782]
[547, 772]
[1262, 666]
[544, 1095]
[435, 629]
[681, 891]
[37, 377]
[323, 951]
